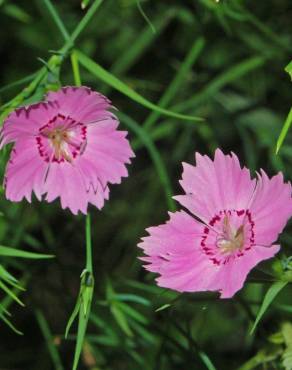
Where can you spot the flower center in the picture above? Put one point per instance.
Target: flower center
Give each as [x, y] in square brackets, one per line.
[61, 139]
[229, 235]
[231, 239]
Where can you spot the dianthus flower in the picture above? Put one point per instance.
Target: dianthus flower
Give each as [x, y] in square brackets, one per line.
[231, 226]
[67, 146]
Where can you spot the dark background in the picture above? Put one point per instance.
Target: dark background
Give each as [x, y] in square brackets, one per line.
[238, 84]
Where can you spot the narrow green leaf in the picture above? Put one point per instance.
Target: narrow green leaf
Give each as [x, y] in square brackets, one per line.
[15, 285]
[179, 78]
[155, 156]
[131, 312]
[11, 293]
[284, 131]
[144, 15]
[165, 306]
[43, 324]
[288, 69]
[148, 336]
[9, 323]
[121, 319]
[84, 4]
[82, 325]
[12, 252]
[268, 299]
[81, 26]
[284, 307]
[132, 298]
[17, 12]
[229, 75]
[83, 306]
[141, 43]
[75, 68]
[25, 93]
[72, 317]
[206, 360]
[57, 19]
[21, 81]
[4, 274]
[4, 311]
[117, 84]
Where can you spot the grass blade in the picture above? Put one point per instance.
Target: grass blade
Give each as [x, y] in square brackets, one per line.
[19, 82]
[9, 323]
[82, 325]
[57, 19]
[155, 156]
[11, 294]
[43, 324]
[72, 318]
[129, 57]
[284, 131]
[117, 84]
[288, 69]
[179, 78]
[271, 294]
[206, 360]
[12, 252]
[81, 25]
[231, 74]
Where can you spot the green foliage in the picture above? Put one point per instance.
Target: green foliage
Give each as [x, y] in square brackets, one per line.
[222, 61]
[272, 292]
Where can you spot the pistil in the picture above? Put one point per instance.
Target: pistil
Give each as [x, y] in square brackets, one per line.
[230, 240]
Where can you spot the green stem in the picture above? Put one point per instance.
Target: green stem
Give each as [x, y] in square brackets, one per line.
[45, 329]
[77, 79]
[88, 243]
[57, 19]
[82, 24]
[75, 68]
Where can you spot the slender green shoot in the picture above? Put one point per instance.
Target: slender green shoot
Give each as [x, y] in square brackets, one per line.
[144, 15]
[284, 131]
[271, 294]
[176, 83]
[45, 329]
[75, 68]
[117, 84]
[57, 19]
[145, 138]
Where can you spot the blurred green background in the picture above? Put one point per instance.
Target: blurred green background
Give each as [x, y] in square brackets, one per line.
[223, 61]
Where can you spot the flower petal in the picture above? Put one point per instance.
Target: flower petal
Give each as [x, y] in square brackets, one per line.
[233, 275]
[26, 121]
[81, 103]
[271, 208]
[105, 155]
[65, 181]
[213, 186]
[174, 253]
[25, 172]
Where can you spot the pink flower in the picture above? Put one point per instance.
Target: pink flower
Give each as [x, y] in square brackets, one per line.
[233, 222]
[67, 147]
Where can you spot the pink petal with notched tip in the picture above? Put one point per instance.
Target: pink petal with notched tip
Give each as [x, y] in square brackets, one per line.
[65, 181]
[271, 207]
[231, 278]
[81, 103]
[94, 155]
[212, 186]
[25, 122]
[25, 172]
[193, 256]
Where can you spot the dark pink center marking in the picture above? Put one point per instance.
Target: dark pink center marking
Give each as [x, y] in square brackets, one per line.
[61, 139]
[234, 236]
